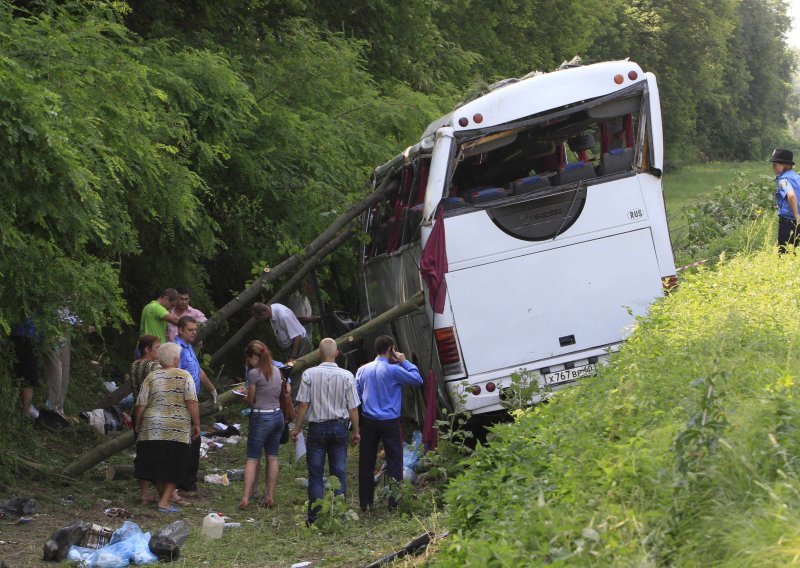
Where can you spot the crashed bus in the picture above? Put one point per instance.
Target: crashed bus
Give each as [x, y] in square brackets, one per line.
[552, 232]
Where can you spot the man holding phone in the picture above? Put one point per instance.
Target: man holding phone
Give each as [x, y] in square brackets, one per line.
[379, 385]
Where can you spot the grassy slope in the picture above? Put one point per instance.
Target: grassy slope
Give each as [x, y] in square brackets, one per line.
[684, 451]
[686, 184]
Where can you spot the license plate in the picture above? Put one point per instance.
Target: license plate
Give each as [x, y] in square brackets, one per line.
[567, 375]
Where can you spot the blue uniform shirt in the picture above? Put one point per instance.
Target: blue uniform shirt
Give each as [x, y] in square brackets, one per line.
[786, 181]
[189, 362]
[379, 386]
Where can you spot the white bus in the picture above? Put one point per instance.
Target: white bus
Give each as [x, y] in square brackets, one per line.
[549, 188]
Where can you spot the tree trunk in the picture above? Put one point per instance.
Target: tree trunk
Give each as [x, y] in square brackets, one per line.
[345, 341]
[237, 337]
[126, 440]
[269, 275]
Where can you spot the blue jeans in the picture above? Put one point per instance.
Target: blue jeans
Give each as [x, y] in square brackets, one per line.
[328, 437]
[264, 432]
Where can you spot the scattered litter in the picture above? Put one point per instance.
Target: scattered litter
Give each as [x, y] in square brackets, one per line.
[96, 537]
[18, 506]
[128, 545]
[411, 455]
[250, 520]
[303, 482]
[232, 525]
[118, 513]
[213, 525]
[217, 479]
[111, 386]
[24, 520]
[235, 474]
[167, 542]
[303, 564]
[69, 500]
[56, 548]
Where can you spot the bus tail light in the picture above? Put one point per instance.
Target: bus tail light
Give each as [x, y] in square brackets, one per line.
[670, 283]
[447, 347]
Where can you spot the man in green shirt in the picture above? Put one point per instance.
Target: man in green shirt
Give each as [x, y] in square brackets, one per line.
[155, 315]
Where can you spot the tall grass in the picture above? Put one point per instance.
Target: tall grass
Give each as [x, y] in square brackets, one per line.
[684, 451]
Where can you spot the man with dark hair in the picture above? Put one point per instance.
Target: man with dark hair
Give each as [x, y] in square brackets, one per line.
[187, 332]
[182, 308]
[155, 315]
[289, 332]
[786, 197]
[379, 385]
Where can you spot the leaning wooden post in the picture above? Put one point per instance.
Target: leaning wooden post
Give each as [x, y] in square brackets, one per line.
[345, 341]
[126, 440]
[239, 336]
[387, 187]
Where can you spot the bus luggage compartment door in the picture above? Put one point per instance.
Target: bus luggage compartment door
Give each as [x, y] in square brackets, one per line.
[517, 311]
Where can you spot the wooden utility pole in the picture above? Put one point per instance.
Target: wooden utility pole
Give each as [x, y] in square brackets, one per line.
[383, 192]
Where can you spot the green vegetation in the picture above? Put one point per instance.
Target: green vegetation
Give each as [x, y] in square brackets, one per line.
[683, 451]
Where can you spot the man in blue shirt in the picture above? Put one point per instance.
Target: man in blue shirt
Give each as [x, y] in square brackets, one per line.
[187, 333]
[379, 385]
[786, 196]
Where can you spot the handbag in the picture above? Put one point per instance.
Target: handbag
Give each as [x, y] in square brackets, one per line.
[287, 408]
[285, 433]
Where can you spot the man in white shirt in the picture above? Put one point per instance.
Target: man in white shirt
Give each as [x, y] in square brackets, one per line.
[328, 396]
[180, 309]
[289, 332]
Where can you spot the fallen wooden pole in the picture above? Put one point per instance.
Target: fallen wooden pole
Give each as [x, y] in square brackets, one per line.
[346, 341]
[126, 440]
[240, 335]
[119, 471]
[290, 264]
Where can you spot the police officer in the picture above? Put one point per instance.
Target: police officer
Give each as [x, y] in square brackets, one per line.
[786, 196]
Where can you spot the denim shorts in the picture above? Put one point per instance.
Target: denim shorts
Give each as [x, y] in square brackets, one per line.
[265, 432]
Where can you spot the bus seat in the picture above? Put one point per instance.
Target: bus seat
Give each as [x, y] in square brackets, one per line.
[617, 160]
[528, 184]
[575, 172]
[581, 143]
[453, 203]
[484, 194]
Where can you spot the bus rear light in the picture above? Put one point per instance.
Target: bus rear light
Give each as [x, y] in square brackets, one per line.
[463, 121]
[447, 347]
[618, 79]
[477, 118]
[669, 283]
[476, 390]
[490, 387]
[632, 75]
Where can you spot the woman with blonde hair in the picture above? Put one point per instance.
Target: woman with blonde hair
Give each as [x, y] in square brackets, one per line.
[266, 421]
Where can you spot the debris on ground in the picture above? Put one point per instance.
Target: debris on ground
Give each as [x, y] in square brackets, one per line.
[166, 543]
[18, 506]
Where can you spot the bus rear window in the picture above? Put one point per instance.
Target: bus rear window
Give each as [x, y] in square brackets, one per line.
[560, 152]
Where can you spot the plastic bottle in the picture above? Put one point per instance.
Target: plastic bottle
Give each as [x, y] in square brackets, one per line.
[213, 526]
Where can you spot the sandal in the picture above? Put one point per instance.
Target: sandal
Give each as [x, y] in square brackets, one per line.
[170, 509]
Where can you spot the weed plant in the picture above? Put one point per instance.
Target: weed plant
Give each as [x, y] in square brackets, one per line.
[685, 450]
